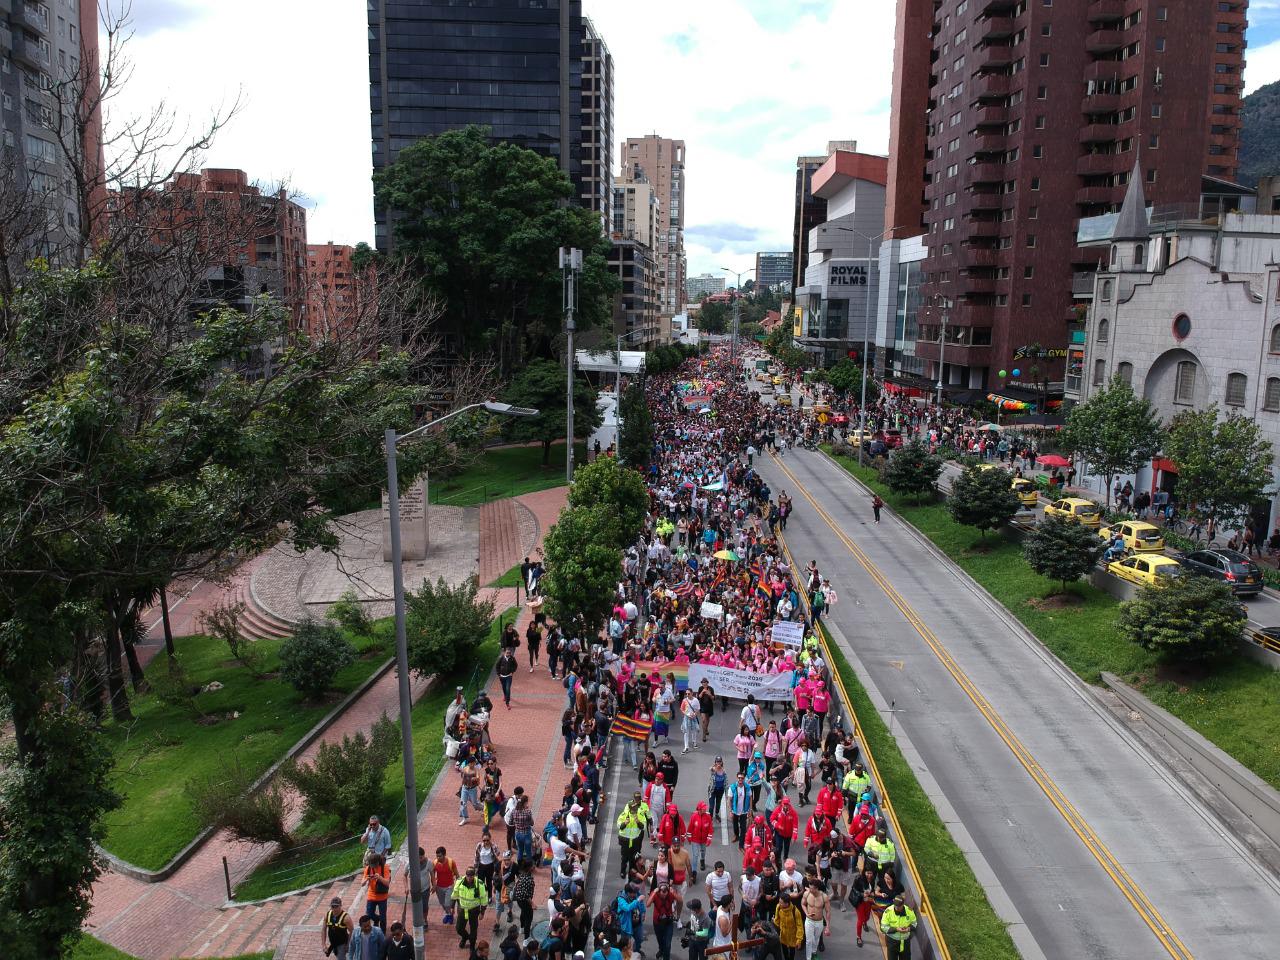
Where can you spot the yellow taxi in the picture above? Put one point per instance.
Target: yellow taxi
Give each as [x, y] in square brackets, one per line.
[777, 381]
[1026, 491]
[783, 399]
[820, 407]
[1153, 570]
[1077, 510]
[1138, 537]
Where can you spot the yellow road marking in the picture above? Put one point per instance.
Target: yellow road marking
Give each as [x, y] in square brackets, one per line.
[1125, 883]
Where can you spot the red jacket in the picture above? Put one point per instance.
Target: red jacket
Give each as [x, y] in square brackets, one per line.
[785, 822]
[814, 834]
[830, 801]
[700, 826]
[670, 827]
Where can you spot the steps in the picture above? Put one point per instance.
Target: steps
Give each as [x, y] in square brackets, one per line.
[257, 623]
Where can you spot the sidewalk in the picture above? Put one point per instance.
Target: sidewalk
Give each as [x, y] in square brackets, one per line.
[185, 915]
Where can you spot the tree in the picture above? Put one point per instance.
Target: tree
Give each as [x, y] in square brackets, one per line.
[983, 499]
[1190, 620]
[793, 358]
[482, 221]
[778, 337]
[715, 316]
[225, 800]
[313, 655]
[913, 470]
[1062, 550]
[345, 780]
[845, 377]
[445, 626]
[618, 490]
[1114, 431]
[635, 439]
[1224, 465]
[541, 384]
[583, 565]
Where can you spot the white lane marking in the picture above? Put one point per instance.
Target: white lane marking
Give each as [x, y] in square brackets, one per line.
[602, 868]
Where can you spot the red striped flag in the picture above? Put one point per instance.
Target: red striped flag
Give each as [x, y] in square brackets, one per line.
[631, 728]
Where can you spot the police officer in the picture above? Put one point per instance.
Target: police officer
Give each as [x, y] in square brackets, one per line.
[898, 923]
[633, 824]
[879, 851]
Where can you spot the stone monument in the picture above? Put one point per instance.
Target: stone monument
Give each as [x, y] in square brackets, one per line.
[413, 522]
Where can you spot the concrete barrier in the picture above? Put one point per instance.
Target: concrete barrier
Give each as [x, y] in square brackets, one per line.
[1253, 796]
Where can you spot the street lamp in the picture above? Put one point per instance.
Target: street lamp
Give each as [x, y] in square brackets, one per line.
[942, 356]
[737, 293]
[402, 648]
[866, 330]
[570, 267]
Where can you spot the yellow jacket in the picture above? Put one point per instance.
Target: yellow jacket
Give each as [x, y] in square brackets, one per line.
[790, 923]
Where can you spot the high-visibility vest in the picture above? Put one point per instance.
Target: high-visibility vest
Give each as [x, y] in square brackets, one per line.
[897, 926]
[855, 783]
[630, 825]
[469, 898]
[881, 852]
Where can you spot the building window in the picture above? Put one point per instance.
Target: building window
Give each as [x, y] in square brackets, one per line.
[1139, 255]
[1159, 44]
[1271, 399]
[1275, 339]
[1153, 141]
[1184, 385]
[1042, 92]
[1031, 239]
[1125, 372]
[1162, 13]
[1155, 110]
[1040, 122]
[1151, 175]
[1037, 151]
[1106, 289]
[1182, 326]
[1026, 299]
[1104, 330]
[1236, 385]
[1099, 372]
[1035, 183]
[1044, 59]
[1046, 29]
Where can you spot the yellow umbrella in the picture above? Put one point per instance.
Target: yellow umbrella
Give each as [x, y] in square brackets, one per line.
[726, 555]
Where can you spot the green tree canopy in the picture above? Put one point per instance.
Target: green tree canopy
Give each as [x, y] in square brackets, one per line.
[1191, 619]
[483, 221]
[1062, 550]
[778, 337]
[619, 490]
[1114, 431]
[982, 498]
[845, 377]
[913, 470]
[635, 440]
[583, 565]
[445, 625]
[542, 385]
[715, 317]
[1224, 465]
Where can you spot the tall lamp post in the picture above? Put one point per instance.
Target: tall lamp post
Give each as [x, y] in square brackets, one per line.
[570, 267]
[942, 356]
[737, 294]
[402, 649]
[866, 331]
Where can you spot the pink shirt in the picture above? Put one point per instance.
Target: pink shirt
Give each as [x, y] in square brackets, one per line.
[745, 745]
[821, 700]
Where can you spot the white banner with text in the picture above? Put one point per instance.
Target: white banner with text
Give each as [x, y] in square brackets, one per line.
[736, 684]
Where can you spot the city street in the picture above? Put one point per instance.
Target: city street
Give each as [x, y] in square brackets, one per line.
[1099, 851]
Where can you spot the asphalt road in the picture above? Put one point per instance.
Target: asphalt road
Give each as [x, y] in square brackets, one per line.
[620, 781]
[1100, 853]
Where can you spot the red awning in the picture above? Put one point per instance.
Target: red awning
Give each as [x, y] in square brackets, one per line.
[1168, 466]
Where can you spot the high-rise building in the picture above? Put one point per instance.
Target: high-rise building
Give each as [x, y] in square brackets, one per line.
[632, 258]
[334, 293]
[660, 162]
[701, 286]
[597, 125]
[48, 80]
[516, 67]
[1030, 116]
[810, 210]
[773, 269]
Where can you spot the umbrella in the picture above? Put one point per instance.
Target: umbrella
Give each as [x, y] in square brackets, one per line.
[991, 426]
[1053, 460]
[726, 555]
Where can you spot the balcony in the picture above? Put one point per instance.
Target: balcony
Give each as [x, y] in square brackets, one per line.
[1100, 103]
[989, 144]
[991, 116]
[1094, 195]
[993, 58]
[981, 286]
[1099, 133]
[995, 28]
[991, 85]
[1103, 70]
[1104, 41]
[989, 200]
[36, 19]
[30, 53]
[985, 173]
[1097, 164]
[962, 354]
[1102, 11]
[981, 228]
[983, 257]
[997, 7]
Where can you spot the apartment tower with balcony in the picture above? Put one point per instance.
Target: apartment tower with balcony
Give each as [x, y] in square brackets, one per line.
[660, 162]
[1016, 118]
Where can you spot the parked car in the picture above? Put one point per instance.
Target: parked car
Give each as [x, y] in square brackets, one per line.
[1153, 570]
[892, 438]
[1077, 510]
[1138, 537]
[783, 399]
[1026, 491]
[1231, 567]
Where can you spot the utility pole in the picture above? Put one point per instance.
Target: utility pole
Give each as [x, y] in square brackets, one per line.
[942, 356]
[570, 267]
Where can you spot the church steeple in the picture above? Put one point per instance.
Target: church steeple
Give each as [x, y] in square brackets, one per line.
[1132, 224]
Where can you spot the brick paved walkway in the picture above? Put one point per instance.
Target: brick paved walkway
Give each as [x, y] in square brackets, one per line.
[185, 916]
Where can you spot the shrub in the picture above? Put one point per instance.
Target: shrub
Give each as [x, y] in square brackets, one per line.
[349, 613]
[310, 658]
[445, 625]
[345, 780]
[1191, 620]
[223, 622]
[174, 687]
[982, 499]
[913, 470]
[222, 800]
[1062, 550]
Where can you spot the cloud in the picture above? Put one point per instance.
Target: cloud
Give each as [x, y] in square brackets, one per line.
[147, 17]
[1262, 66]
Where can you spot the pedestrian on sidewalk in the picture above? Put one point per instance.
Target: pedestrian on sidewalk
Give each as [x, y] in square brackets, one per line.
[876, 504]
[424, 869]
[367, 941]
[377, 881]
[377, 840]
[470, 897]
[336, 930]
[444, 874]
[533, 640]
[469, 792]
[898, 924]
[505, 669]
[399, 945]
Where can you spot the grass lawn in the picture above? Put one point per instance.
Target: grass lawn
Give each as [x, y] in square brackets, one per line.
[165, 746]
[91, 948]
[1236, 706]
[505, 472]
[970, 925]
[509, 579]
[306, 865]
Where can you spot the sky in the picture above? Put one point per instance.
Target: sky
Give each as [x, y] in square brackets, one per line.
[749, 85]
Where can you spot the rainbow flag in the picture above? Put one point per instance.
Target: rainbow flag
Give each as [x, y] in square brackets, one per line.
[679, 670]
[631, 728]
